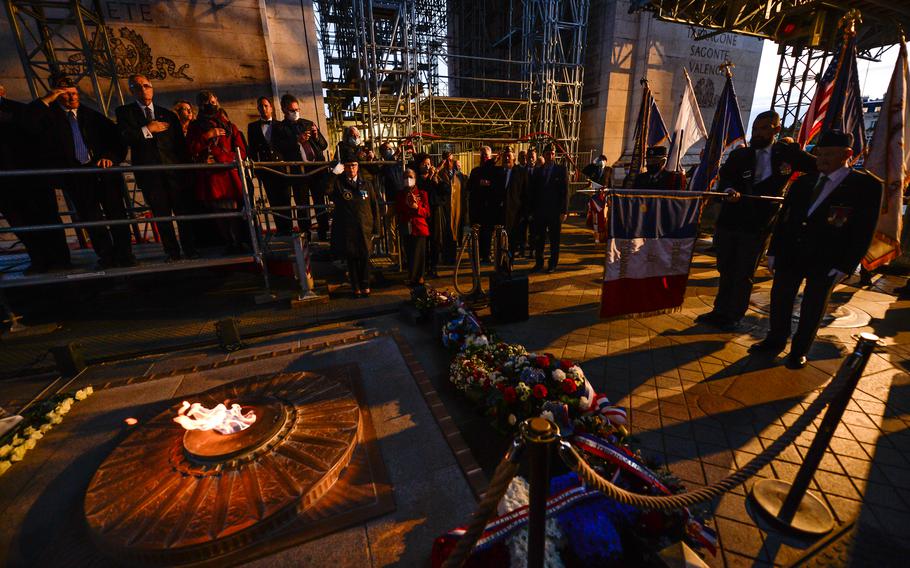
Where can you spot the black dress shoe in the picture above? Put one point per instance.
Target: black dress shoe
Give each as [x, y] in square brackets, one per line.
[127, 262]
[710, 317]
[551, 269]
[769, 347]
[795, 361]
[191, 254]
[537, 268]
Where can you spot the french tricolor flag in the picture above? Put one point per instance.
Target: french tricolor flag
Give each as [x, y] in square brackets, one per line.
[649, 249]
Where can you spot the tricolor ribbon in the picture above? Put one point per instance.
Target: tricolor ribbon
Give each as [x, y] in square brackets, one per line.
[619, 457]
[705, 536]
[601, 405]
[503, 526]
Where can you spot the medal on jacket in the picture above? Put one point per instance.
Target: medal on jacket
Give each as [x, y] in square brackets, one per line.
[838, 215]
[785, 169]
[347, 195]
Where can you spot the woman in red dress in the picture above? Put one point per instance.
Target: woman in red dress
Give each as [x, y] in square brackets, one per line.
[212, 139]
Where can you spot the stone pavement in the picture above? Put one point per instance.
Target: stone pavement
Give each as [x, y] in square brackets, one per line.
[41, 498]
[699, 403]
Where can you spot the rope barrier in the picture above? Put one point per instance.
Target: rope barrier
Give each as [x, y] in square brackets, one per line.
[576, 462]
[502, 477]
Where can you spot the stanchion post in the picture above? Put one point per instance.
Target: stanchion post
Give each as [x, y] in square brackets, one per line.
[540, 435]
[251, 224]
[791, 506]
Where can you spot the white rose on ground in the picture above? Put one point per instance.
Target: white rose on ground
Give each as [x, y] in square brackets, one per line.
[559, 376]
[4, 465]
[18, 454]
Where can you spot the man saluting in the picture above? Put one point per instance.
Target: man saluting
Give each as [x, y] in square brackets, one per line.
[826, 225]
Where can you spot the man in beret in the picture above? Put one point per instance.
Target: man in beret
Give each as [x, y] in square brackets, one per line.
[743, 226]
[826, 224]
[656, 176]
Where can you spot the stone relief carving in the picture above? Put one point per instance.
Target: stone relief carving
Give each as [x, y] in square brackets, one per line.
[133, 55]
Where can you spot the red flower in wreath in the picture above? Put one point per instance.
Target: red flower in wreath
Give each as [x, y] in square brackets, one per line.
[540, 391]
[543, 362]
[509, 395]
[569, 386]
[566, 364]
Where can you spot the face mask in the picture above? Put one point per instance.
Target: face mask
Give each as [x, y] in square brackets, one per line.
[387, 154]
[294, 116]
[652, 168]
[411, 182]
[599, 163]
[357, 141]
[424, 170]
[209, 108]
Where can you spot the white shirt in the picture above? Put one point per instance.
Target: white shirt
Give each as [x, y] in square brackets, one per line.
[834, 179]
[266, 129]
[508, 176]
[145, 131]
[762, 164]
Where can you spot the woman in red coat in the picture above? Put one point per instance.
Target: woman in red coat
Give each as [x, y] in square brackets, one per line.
[212, 138]
[413, 207]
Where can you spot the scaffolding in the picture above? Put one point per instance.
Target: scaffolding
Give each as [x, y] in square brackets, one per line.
[456, 72]
[802, 58]
[66, 36]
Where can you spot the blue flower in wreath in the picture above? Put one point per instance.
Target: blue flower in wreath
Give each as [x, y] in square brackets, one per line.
[533, 376]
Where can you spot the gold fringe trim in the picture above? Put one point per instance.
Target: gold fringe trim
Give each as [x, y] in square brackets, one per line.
[643, 314]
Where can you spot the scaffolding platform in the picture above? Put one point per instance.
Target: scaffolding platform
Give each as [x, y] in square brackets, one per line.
[151, 259]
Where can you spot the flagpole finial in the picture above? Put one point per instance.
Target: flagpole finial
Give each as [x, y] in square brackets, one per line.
[849, 21]
[644, 81]
[727, 68]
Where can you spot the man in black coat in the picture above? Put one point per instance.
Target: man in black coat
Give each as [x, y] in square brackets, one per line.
[155, 137]
[515, 189]
[299, 140]
[826, 224]
[73, 136]
[260, 136]
[549, 192]
[28, 200]
[485, 199]
[744, 224]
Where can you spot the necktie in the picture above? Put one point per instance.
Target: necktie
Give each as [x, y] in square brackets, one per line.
[817, 190]
[267, 130]
[81, 150]
[148, 114]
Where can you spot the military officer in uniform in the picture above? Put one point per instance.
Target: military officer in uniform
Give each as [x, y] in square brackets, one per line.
[744, 224]
[656, 175]
[826, 224]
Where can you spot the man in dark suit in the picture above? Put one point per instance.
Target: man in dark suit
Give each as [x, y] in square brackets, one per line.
[73, 136]
[260, 136]
[744, 224]
[515, 190]
[826, 224]
[656, 175]
[155, 137]
[483, 206]
[28, 200]
[549, 192]
[299, 140]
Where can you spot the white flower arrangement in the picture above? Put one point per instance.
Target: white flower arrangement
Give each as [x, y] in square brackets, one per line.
[16, 449]
[518, 495]
[558, 375]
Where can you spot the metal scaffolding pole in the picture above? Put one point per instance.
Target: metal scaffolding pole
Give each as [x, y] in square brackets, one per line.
[796, 78]
[66, 36]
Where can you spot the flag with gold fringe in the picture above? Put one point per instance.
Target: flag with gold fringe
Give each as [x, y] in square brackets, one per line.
[889, 161]
[651, 237]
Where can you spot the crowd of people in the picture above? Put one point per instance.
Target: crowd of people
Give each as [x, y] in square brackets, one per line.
[818, 236]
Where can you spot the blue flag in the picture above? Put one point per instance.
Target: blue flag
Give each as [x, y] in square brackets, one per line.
[650, 130]
[726, 130]
[845, 108]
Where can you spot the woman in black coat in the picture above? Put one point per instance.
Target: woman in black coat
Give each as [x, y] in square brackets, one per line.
[355, 223]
